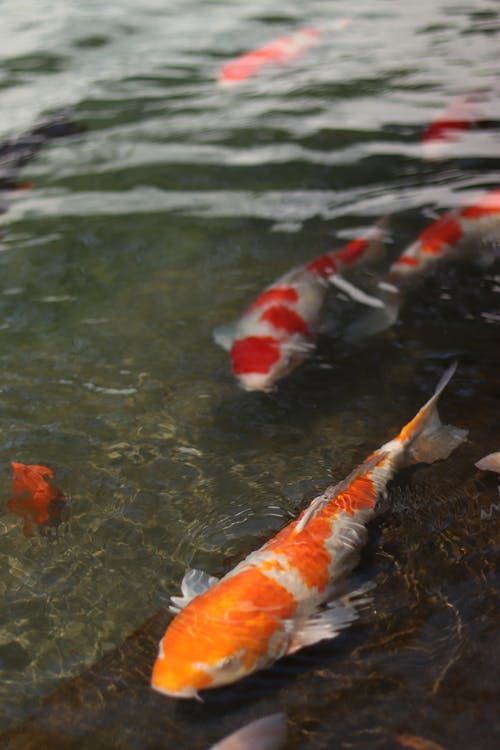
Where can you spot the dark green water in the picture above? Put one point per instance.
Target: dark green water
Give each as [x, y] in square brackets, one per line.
[179, 203]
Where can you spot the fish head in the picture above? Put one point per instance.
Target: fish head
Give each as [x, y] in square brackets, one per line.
[214, 641]
[259, 362]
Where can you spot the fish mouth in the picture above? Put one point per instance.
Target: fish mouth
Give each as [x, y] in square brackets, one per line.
[185, 693]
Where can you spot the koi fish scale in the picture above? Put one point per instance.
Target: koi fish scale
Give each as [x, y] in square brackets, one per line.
[278, 330]
[271, 603]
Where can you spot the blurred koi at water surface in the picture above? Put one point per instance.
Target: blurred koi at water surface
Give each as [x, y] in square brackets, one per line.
[281, 597]
[281, 50]
[36, 499]
[268, 733]
[17, 151]
[278, 331]
[463, 113]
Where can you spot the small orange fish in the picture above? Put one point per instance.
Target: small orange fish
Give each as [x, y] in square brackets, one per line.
[273, 602]
[35, 498]
[281, 50]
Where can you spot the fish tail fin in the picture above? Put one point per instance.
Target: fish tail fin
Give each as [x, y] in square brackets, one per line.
[425, 437]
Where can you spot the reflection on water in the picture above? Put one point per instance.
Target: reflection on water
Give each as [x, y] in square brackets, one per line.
[176, 207]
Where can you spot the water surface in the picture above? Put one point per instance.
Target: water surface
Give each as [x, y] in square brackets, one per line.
[179, 203]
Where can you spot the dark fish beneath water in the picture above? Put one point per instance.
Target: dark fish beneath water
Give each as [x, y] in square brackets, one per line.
[17, 151]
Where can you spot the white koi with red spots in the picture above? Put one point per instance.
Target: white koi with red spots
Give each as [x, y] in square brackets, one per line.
[473, 230]
[273, 602]
[278, 331]
[448, 235]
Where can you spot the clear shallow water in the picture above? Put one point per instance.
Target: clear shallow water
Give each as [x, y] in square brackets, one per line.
[178, 204]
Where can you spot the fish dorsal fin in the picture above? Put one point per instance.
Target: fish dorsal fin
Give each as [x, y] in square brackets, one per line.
[328, 622]
[354, 292]
[194, 583]
[330, 493]
[225, 335]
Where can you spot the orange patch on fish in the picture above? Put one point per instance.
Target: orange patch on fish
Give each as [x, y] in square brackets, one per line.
[254, 354]
[407, 260]
[445, 231]
[324, 266]
[275, 294]
[489, 204]
[282, 317]
[353, 251]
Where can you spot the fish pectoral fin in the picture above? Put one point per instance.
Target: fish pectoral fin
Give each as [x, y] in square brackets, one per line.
[354, 292]
[194, 583]
[331, 620]
[224, 336]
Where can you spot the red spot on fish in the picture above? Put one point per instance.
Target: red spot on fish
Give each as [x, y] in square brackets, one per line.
[280, 50]
[35, 498]
[353, 251]
[443, 130]
[489, 204]
[461, 114]
[446, 231]
[324, 266]
[282, 317]
[407, 260]
[275, 294]
[254, 354]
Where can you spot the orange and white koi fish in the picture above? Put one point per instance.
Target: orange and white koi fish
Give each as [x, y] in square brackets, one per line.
[278, 331]
[35, 498]
[268, 733]
[462, 113]
[273, 602]
[281, 50]
[472, 229]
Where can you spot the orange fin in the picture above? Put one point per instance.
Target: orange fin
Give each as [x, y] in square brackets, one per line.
[427, 438]
[328, 622]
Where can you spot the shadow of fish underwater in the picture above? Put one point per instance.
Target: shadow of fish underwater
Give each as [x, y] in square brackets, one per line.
[19, 150]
